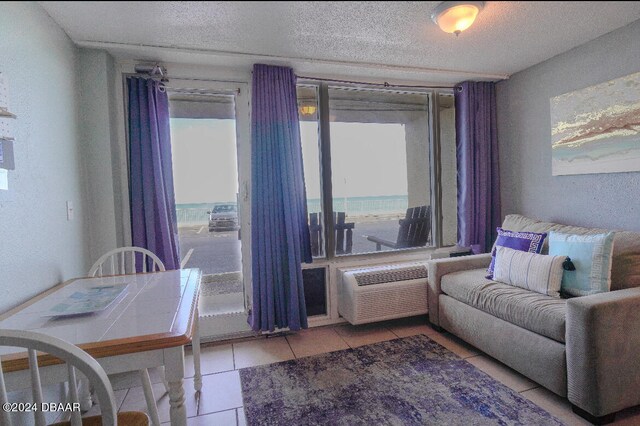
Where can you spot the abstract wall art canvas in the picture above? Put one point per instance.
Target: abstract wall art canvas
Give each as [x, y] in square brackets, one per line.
[597, 129]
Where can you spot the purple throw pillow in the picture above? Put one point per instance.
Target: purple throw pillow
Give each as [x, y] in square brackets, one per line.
[524, 241]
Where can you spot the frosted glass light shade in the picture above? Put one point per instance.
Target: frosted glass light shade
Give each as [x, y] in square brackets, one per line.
[456, 16]
[308, 109]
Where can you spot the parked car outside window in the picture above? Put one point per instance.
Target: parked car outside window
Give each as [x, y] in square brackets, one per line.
[223, 217]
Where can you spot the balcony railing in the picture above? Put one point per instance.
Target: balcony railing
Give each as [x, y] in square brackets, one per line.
[358, 206]
[192, 216]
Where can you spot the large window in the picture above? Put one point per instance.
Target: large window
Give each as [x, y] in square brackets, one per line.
[368, 157]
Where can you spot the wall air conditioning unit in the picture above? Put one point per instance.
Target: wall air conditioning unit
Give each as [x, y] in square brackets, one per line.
[379, 293]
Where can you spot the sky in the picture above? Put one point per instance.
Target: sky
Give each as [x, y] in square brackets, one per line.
[368, 159]
[205, 167]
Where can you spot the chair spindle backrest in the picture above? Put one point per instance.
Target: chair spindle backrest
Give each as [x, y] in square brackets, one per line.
[70, 354]
[124, 261]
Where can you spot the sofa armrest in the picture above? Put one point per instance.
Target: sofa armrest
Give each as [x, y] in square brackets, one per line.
[603, 351]
[440, 267]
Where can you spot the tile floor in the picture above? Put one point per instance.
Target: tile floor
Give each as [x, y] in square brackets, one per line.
[221, 400]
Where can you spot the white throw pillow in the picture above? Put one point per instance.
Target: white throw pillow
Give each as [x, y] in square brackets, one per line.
[535, 272]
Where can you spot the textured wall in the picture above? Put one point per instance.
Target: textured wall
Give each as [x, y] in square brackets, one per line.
[524, 131]
[95, 72]
[38, 246]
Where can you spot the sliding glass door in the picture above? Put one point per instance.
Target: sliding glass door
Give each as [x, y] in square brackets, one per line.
[211, 199]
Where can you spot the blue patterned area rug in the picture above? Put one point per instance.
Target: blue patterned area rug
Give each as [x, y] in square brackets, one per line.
[410, 381]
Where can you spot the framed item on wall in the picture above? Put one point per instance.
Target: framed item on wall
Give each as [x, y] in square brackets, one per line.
[597, 129]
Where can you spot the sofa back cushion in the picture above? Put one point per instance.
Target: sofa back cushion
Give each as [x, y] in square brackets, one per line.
[625, 265]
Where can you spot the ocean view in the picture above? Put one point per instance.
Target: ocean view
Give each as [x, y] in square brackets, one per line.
[194, 213]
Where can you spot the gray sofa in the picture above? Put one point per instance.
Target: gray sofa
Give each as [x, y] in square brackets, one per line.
[586, 349]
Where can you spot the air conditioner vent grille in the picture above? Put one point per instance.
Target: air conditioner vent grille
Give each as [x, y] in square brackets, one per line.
[381, 293]
[390, 275]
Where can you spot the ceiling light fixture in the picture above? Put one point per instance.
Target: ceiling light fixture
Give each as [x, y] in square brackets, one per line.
[456, 16]
[308, 109]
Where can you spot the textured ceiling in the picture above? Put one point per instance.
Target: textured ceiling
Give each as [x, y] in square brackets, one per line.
[507, 36]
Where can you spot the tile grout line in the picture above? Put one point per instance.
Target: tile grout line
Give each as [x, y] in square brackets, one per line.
[295, 356]
[290, 348]
[393, 332]
[217, 412]
[233, 358]
[343, 339]
[214, 373]
[123, 399]
[530, 389]
[233, 355]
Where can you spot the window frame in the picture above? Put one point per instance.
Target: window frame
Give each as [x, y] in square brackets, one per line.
[326, 188]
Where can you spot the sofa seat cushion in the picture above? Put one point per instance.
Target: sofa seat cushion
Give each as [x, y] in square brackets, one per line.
[535, 312]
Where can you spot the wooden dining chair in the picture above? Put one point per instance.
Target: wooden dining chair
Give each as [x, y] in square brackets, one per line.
[125, 261]
[76, 359]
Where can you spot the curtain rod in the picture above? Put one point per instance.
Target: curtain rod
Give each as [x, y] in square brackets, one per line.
[384, 84]
[164, 79]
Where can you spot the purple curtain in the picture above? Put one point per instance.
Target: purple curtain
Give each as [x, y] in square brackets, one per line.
[279, 231]
[477, 160]
[153, 218]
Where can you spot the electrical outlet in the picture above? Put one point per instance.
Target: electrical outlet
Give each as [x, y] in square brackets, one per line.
[69, 210]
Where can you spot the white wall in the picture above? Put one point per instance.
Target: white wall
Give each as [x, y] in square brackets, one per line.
[97, 134]
[65, 130]
[38, 246]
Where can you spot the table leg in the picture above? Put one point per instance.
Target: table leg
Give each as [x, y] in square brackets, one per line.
[174, 370]
[195, 343]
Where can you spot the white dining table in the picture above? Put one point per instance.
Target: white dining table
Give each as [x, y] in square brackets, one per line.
[146, 326]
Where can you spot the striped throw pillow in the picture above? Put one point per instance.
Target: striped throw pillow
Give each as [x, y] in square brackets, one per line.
[535, 272]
